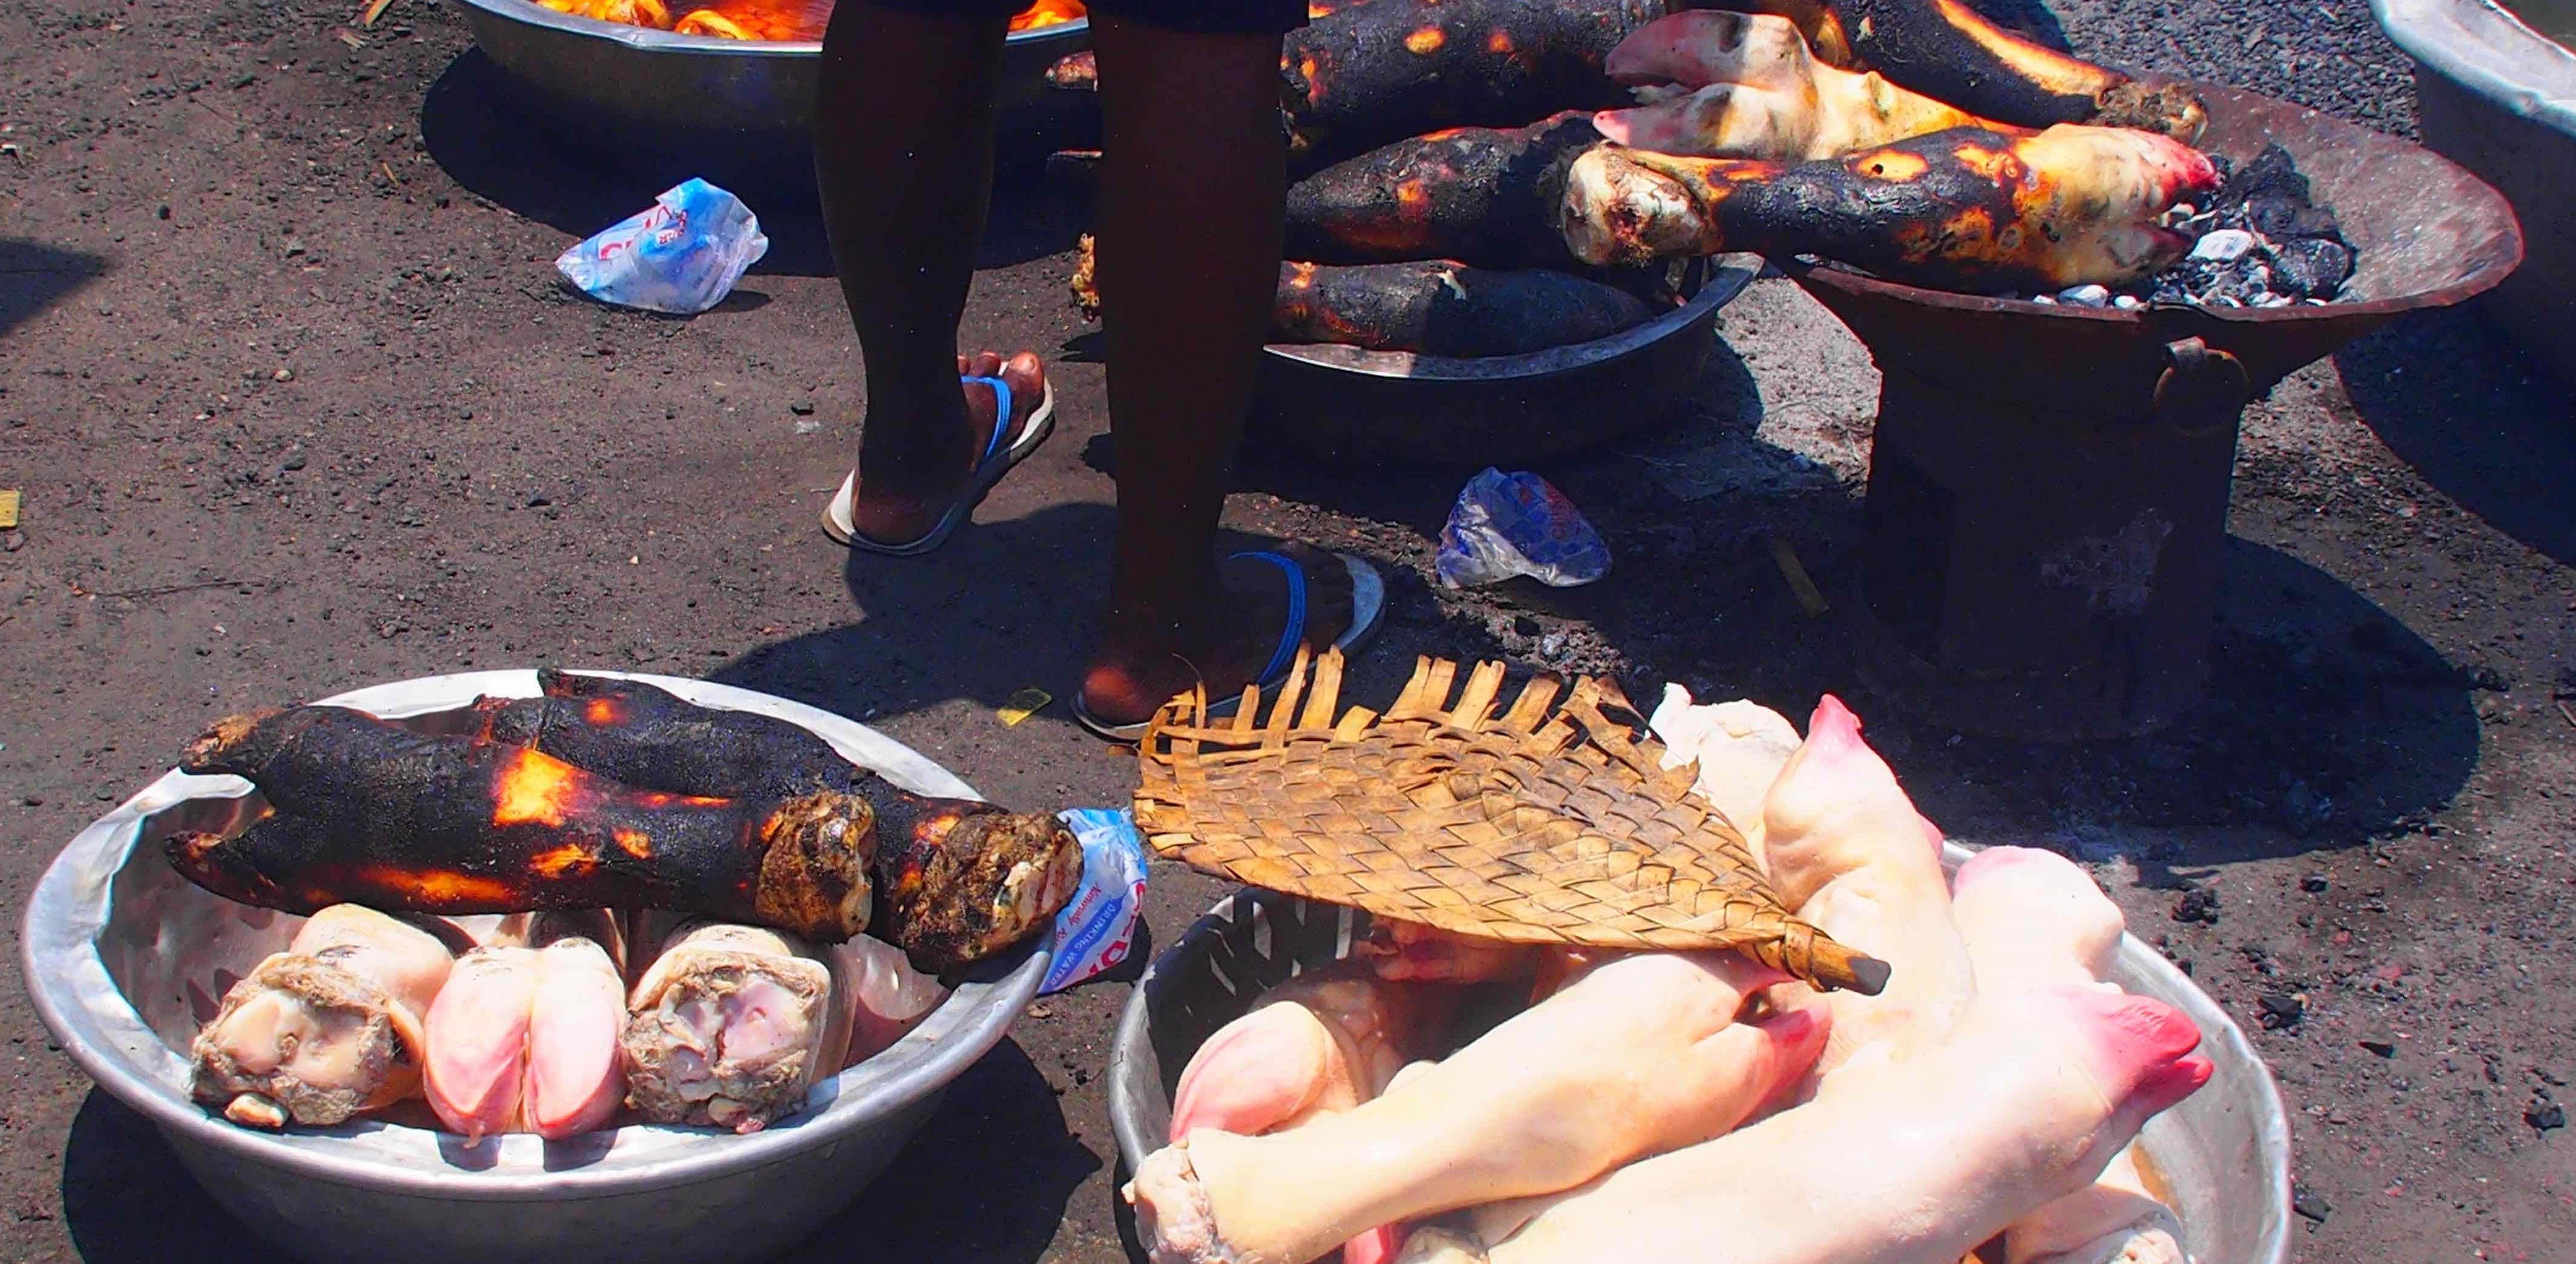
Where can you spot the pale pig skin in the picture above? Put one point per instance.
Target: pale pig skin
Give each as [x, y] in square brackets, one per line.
[1638, 1056]
[2032, 918]
[1851, 854]
[1747, 87]
[1319, 1044]
[2038, 1090]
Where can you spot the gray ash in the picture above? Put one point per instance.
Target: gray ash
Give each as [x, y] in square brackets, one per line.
[2259, 241]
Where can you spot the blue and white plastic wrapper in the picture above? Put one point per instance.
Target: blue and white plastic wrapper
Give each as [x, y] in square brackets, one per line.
[1507, 525]
[682, 256]
[1097, 927]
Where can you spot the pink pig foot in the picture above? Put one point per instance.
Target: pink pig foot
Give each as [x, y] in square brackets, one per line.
[1261, 1071]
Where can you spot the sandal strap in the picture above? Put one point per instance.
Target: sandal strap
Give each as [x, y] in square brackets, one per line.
[1001, 415]
[1294, 635]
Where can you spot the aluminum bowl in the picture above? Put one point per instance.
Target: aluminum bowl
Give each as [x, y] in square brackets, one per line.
[667, 84]
[2224, 1153]
[1494, 410]
[125, 959]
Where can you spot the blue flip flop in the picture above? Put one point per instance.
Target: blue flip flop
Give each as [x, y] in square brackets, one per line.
[1368, 609]
[1007, 449]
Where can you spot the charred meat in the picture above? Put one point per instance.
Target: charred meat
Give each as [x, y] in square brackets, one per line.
[1966, 209]
[955, 880]
[371, 812]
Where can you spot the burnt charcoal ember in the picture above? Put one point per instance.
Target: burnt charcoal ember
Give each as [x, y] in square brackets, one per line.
[2311, 267]
[2259, 241]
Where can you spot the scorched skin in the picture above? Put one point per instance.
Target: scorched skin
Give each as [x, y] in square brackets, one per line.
[1965, 209]
[372, 813]
[1446, 309]
[1482, 196]
[1946, 50]
[956, 880]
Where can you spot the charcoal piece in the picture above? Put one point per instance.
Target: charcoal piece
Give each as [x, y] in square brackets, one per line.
[2271, 173]
[2280, 218]
[2310, 267]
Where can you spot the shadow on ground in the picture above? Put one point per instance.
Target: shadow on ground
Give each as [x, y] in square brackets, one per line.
[34, 277]
[505, 146]
[2478, 421]
[985, 1180]
[126, 1200]
[1001, 605]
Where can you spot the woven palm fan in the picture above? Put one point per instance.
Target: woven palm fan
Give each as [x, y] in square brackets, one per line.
[1545, 824]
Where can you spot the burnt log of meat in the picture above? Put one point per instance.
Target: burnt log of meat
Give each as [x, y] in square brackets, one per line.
[1948, 51]
[1375, 73]
[1447, 309]
[1369, 74]
[372, 813]
[1484, 197]
[956, 879]
[1966, 209]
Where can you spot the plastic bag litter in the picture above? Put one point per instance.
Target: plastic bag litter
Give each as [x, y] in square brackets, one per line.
[1097, 927]
[681, 256]
[1506, 525]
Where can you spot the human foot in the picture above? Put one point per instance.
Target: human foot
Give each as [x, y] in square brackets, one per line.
[1222, 641]
[896, 503]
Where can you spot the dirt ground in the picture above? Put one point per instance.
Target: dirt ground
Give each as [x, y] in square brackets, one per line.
[297, 405]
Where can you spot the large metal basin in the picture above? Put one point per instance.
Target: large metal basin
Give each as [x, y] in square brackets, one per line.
[1339, 401]
[2499, 98]
[125, 959]
[696, 92]
[2224, 1153]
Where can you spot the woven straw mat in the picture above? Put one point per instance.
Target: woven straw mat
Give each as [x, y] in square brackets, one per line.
[1546, 823]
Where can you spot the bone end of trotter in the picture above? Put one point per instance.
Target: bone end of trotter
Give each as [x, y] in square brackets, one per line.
[1173, 1216]
[326, 1029]
[1619, 212]
[727, 1028]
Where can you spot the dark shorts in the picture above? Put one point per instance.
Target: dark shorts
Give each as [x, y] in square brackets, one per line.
[1203, 17]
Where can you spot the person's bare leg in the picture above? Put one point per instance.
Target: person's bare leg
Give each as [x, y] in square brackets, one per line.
[903, 147]
[1193, 186]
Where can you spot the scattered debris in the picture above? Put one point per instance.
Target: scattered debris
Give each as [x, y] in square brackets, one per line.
[1022, 705]
[2197, 904]
[1810, 599]
[375, 9]
[8, 509]
[2384, 1048]
[2283, 1010]
[2544, 1115]
[2309, 1206]
[2314, 884]
[1509, 525]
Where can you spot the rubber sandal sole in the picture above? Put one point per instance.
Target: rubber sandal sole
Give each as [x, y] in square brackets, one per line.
[1033, 435]
[1368, 611]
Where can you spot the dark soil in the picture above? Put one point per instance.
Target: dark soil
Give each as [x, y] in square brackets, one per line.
[297, 405]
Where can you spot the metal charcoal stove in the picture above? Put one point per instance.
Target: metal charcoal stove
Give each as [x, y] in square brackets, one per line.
[2047, 501]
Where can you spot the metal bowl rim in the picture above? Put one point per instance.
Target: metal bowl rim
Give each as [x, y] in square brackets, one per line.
[648, 40]
[1731, 274]
[2490, 50]
[59, 921]
[2153, 314]
[2272, 1129]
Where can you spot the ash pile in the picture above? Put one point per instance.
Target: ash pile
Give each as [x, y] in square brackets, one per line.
[2261, 241]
